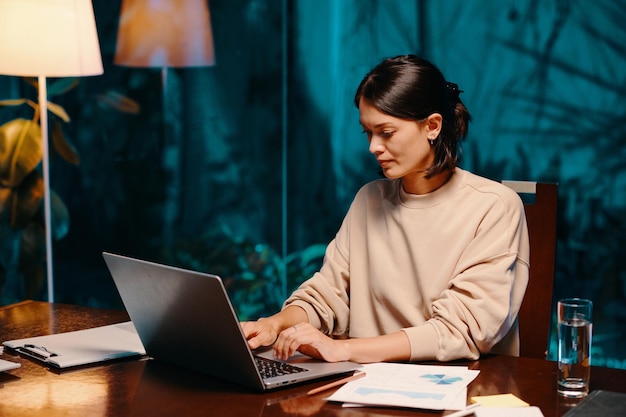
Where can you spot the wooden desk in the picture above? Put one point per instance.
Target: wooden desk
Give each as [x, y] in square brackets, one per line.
[149, 388]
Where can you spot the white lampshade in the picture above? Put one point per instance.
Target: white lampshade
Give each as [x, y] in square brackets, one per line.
[52, 38]
[165, 33]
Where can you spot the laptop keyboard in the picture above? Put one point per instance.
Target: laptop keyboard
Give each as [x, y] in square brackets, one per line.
[270, 368]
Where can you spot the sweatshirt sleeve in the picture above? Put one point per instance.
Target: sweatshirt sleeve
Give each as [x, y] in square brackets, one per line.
[325, 296]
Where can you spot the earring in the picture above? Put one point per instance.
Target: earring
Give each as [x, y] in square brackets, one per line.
[432, 142]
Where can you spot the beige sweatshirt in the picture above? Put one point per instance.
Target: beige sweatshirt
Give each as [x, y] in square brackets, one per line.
[448, 268]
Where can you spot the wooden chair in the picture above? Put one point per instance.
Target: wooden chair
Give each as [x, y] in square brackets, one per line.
[535, 316]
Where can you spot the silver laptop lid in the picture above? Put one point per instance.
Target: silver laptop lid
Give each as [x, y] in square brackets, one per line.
[185, 318]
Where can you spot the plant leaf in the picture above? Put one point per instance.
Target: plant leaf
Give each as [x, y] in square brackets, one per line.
[60, 216]
[119, 102]
[5, 199]
[26, 200]
[33, 81]
[20, 150]
[33, 254]
[62, 86]
[14, 102]
[63, 146]
[59, 111]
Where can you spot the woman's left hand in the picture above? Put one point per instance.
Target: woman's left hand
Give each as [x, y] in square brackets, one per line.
[309, 341]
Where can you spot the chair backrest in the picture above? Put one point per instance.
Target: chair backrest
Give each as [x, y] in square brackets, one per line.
[536, 311]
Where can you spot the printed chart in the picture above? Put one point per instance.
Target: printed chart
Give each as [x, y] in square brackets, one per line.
[409, 385]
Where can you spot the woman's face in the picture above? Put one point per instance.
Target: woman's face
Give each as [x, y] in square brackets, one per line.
[401, 146]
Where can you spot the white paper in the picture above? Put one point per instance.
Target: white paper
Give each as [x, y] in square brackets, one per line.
[87, 346]
[458, 403]
[409, 385]
[8, 365]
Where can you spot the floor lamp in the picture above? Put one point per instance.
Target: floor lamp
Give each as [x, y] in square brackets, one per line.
[166, 34]
[48, 38]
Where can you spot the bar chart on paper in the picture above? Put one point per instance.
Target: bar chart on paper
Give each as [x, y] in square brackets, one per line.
[409, 385]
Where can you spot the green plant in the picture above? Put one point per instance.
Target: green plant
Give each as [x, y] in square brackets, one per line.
[22, 191]
[22, 228]
[252, 272]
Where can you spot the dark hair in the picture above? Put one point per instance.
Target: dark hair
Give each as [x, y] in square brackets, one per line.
[409, 87]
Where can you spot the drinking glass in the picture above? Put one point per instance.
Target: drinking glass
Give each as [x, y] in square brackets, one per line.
[574, 346]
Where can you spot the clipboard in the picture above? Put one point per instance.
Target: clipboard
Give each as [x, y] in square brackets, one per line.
[82, 347]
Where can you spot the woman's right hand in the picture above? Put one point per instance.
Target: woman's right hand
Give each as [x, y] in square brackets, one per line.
[259, 333]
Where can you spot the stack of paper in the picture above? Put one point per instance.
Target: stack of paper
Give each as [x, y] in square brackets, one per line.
[409, 385]
[82, 347]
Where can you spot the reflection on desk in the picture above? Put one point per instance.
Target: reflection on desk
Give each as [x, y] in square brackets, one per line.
[150, 388]
[175, 386]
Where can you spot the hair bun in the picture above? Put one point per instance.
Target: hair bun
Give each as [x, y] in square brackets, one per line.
[453, 92]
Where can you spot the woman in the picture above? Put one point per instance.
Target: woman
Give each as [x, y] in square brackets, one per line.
[430, 262]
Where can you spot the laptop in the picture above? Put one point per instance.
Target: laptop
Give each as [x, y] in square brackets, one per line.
[186, 318]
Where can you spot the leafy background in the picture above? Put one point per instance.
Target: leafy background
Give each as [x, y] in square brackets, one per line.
[271, 153]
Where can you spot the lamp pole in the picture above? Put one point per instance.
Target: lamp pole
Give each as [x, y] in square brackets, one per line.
[43, 121]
